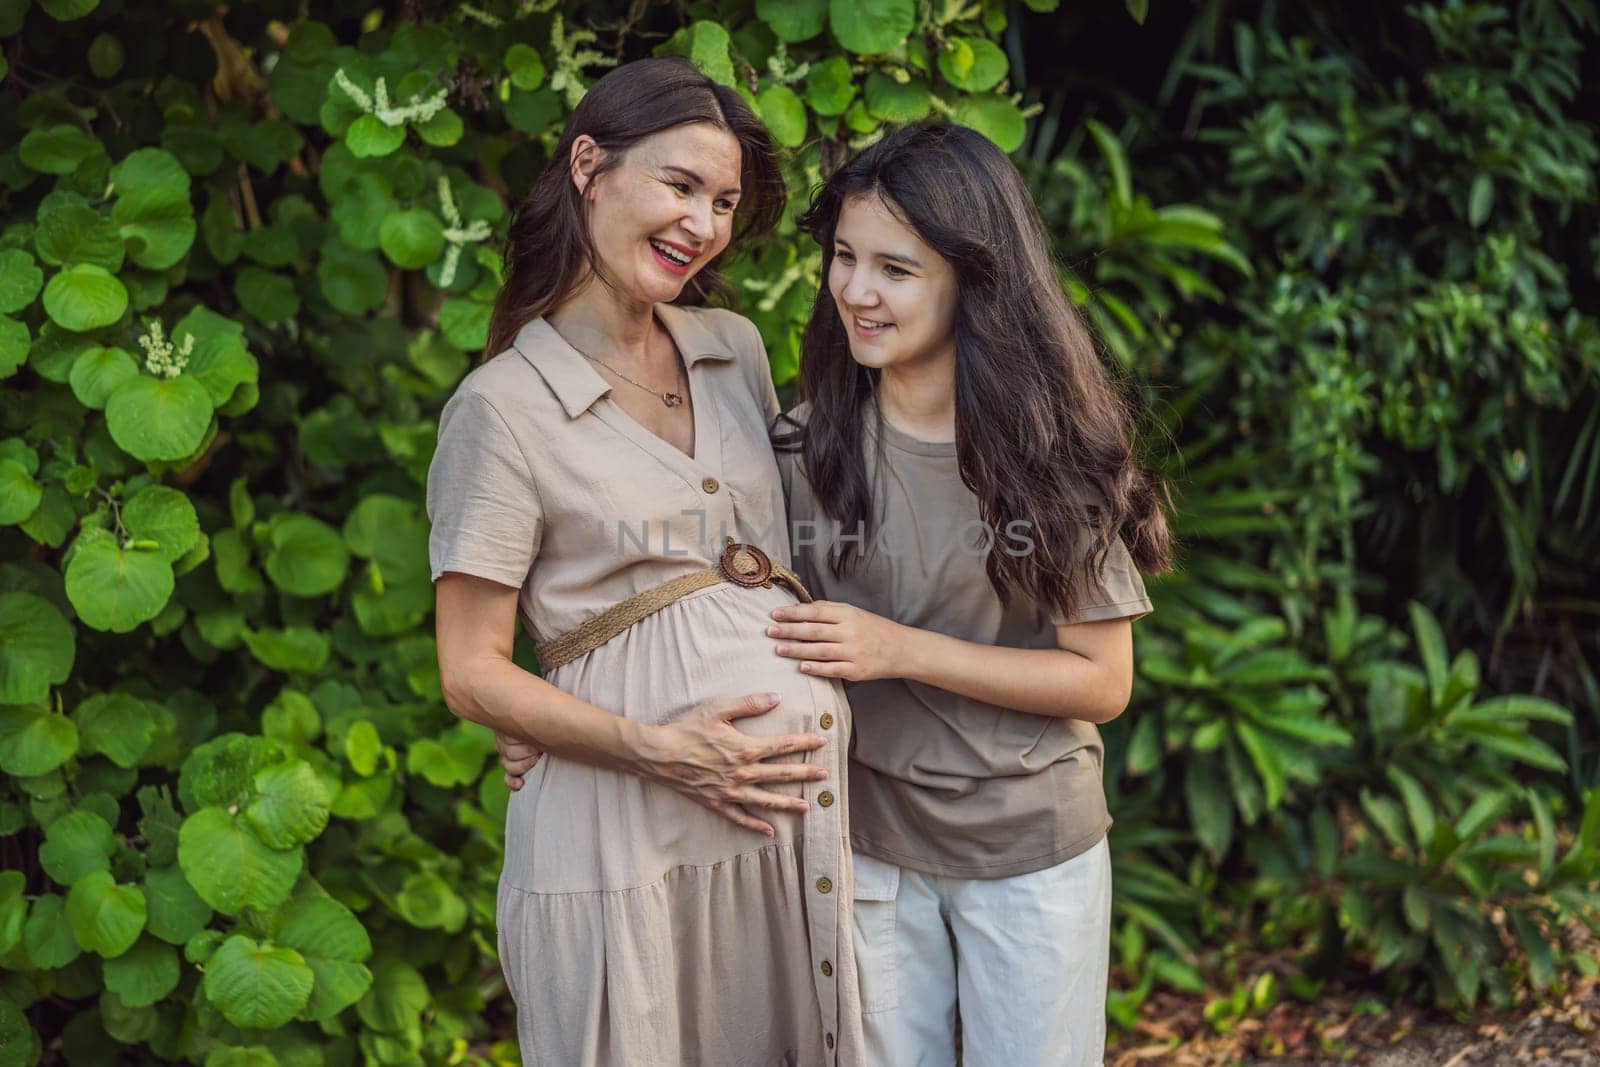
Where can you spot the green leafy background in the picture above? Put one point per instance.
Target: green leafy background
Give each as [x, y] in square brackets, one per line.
[246, 255]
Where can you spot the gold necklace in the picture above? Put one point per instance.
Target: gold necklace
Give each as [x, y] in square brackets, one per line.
[671, 400]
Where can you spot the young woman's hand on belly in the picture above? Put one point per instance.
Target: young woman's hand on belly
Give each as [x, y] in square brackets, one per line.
[703, 756]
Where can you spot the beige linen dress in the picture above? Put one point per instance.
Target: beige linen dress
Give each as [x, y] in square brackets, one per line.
[635, 926]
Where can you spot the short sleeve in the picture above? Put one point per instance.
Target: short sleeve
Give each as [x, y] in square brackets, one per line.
[766, 392]
[482, 499]
[1117, 592]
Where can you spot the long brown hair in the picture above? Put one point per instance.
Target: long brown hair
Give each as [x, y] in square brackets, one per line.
[549, 250]
[1042, 435]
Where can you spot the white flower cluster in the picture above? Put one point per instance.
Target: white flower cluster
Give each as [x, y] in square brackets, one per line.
[418, 110]
[806, 268]
[160, 358]
[782, 69]
[570, 60]
[527, 7]
[456, 235]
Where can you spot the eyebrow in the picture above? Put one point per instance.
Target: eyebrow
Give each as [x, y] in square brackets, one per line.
[692, 176]
[893, 257]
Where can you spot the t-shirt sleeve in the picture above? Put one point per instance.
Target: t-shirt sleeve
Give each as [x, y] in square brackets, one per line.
[482, 498]
[1117, 592]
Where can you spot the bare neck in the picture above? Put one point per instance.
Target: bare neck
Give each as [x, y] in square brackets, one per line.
[921, 400]
[610, 326]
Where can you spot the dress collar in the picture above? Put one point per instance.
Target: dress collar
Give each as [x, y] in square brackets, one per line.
[573, 378]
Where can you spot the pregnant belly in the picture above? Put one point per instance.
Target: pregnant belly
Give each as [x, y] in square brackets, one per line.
[710, 644]
[575, 828]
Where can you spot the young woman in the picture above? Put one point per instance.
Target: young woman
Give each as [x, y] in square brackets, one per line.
[676, 885]
[966, 509]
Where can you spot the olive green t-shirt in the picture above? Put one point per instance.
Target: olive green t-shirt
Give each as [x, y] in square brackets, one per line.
[939, 782]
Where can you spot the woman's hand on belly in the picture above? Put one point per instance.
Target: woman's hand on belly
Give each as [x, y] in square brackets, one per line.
[703, 756]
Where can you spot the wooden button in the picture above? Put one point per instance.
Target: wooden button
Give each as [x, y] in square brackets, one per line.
[828, 1038]
[824, 885]
[710, 485]
[827, 969]
[825, 798]
[826, 720]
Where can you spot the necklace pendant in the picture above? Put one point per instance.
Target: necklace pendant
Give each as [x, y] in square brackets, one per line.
[672, 400]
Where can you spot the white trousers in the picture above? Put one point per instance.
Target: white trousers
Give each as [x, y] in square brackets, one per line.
[1023, 960]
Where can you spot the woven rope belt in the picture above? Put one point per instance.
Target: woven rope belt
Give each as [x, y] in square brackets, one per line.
[741, 564]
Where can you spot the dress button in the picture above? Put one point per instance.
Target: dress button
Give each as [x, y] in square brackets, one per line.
[827, 969]
[826, 720]
[824, 885]
[828, 1040]
[825, 798]
[709, 485]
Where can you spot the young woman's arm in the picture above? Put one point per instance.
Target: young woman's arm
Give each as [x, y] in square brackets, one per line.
[1088, 676]
[700, 755]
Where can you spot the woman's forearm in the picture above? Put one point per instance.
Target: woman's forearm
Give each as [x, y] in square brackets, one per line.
[1041, 681]
[511, 701]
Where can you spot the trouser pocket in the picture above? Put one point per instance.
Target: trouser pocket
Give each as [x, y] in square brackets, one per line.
[876, 885]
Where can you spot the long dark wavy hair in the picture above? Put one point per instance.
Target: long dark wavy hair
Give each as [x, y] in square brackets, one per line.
[1042, 434]
[550, 251]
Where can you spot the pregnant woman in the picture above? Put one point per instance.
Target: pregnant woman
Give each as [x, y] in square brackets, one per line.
[677, 878]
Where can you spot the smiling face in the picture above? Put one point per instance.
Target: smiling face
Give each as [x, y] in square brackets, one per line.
[896, 296]
[665, 211]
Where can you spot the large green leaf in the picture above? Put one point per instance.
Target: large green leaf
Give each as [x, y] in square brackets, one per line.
[308, 557]
[33, 740]
[230, 867]
[98, 372]
[784, 115]
[793, 20]
[973, 64]
[119, 726]
[159, 418]
[20, 495]
[37, 648]
[221, 772]
[895, 101]
[291, 804]
[220, 360]
[412, 239]
[162, 514]
[524, 64]
[85, 297]
[68, 10]
[47, 935]
[70, 231]
[427, 901]
[175, 911]
[18, 1042]
[57, 150]
[871, 27]
[829, 86]
[354, 282]
[20, 280]
[157, 223]
[14, 342]
[294, 648]
[106, 917]
[76, 844]
[398, 997]
[115, 588]
[334, 945]
[257, 985]
[144, 974]
[368, 137]
[13, 909]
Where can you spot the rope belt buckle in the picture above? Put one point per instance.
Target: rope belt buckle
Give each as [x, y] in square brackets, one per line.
[745, 565]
